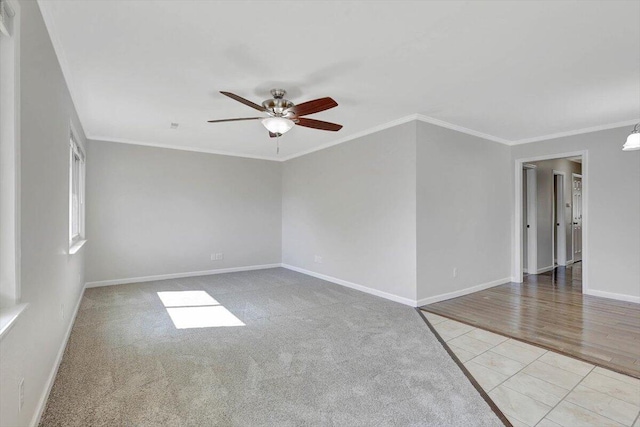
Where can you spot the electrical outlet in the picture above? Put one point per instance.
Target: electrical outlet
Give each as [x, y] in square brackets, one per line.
[21, 394]
[318, 259]
[455, 271]
[217, 256]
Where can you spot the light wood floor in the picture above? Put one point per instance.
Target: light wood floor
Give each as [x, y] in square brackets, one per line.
[549, 310]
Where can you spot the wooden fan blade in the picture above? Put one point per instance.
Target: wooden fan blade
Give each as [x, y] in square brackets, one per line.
[314, 106]
[234, 120]
[244, 101]
[318, 124]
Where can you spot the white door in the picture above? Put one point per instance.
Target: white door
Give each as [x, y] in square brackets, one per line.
[560, 237]
[577, 217]
[525, 222]
[531, 230]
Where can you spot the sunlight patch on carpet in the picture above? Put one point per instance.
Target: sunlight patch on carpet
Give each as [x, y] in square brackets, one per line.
[196, 309]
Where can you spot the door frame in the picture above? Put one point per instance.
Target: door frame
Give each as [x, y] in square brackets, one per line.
[579, 175]
[561, 236]
[517, 224]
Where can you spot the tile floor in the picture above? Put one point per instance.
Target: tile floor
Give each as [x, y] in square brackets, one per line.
[536, 387]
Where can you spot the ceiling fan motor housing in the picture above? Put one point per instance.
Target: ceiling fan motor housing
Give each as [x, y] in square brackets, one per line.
[278, 106]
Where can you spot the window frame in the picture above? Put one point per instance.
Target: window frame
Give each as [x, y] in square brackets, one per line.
[11, 306]
[76, 240]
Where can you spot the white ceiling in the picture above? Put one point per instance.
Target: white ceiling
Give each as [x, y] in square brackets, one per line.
[515, 71]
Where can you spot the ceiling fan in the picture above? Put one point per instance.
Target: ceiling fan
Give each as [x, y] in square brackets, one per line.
[283, 114]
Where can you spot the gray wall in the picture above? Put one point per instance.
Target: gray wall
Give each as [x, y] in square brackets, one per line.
[154, 211]
[613, 180]
[545, 214]
[354, 205]
[50, 278]
[463, 221]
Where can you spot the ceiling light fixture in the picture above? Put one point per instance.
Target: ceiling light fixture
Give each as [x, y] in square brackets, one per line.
[633, 140]
[278, 125]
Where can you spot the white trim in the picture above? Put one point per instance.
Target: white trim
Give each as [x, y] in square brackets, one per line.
[545, 269]
[361, 288]
[42, 403]
[517, 232]
[397, 122]
[461, 292]
[462, 129]
[10, 143]
[181, 148]
[612, 295]
[369, 131]
[76, 246]
[8, 317]
[177, 275]
[574, 132]
[365, 132]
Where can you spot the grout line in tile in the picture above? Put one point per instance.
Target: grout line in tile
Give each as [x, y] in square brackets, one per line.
[536, 359]
[590, 388]
[561, 400]
[570, 391]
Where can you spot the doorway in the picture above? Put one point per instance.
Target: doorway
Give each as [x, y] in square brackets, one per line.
[547, 242]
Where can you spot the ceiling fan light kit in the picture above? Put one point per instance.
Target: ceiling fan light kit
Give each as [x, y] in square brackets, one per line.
[278, 124]
[633, 140]
[283, 114]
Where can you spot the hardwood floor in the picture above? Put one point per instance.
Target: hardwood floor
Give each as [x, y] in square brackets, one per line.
[549, 310]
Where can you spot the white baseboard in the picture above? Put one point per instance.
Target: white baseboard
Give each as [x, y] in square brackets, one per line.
[372, 291]
[545, 269]
[612, 295]
[177, 275]
[461, 292]
[42, 403]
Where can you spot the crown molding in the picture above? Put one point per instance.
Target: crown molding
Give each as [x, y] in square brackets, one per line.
[369, 131]
[378, 128]
[461, 129]
[574, 132]
[181, 148]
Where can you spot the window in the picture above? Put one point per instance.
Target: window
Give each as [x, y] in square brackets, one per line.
[76, 195]
[10, 305]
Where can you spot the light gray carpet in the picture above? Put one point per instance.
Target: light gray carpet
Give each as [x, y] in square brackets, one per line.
[311, 353]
